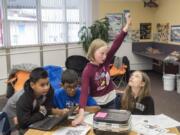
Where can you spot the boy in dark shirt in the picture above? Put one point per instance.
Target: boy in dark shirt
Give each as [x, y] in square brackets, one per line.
[36, 101]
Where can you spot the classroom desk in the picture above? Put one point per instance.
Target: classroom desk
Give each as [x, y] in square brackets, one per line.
[38, 132]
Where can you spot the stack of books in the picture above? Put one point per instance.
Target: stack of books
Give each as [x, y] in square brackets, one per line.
[112, 120]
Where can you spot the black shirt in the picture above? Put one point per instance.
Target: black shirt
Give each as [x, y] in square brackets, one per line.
[28, 106]
[144, 107]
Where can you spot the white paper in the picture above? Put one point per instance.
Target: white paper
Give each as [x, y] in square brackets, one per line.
[146, 128]
[169, 134]
[161, 120]
[78, 130]
[165, 121]
[135, 119]
[89, 118]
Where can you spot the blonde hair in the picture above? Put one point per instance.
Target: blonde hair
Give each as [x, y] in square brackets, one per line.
[128, 101]
[95, 45]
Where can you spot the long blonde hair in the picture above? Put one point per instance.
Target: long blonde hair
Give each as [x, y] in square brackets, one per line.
[128, 101]
[96, 44]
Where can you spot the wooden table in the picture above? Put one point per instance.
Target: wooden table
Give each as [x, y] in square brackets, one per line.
[38, 132]
[91, 132]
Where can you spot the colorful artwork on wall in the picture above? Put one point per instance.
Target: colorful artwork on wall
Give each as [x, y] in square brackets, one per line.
[115, 24]
[162, 32]
[145, 31]
[135, 35]
[175, 33]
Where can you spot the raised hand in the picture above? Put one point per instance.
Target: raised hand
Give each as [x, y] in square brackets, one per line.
[128, 19]
[128, 22]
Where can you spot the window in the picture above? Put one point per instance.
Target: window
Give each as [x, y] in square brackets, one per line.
[1, 20]
[30, 22]
[53, 21]
[22, 18]
[61, 20]
[73, 19]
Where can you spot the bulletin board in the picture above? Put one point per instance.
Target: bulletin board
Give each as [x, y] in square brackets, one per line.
[175, 33]
[163, 32]
[145, 31]
[115, 24]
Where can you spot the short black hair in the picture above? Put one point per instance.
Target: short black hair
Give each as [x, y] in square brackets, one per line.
[38, 73]
[69, 76]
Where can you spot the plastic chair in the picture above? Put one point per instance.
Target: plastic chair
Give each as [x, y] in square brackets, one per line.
[118, 71]
[76, 63]
[16, 82]
[118, 75]
[17, 77]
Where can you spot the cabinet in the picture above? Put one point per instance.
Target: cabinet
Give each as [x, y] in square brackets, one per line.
[169, 68]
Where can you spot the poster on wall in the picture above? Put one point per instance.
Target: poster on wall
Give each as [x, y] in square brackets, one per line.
[135, 35]
[163, 32]
[115, 24]
[175, 33]
[145, 31]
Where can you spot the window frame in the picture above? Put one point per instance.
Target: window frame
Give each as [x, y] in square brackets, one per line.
[9, 21]
[1, 23]
[39, 22]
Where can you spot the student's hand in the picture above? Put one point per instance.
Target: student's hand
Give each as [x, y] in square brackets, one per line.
[59, 112]
[42, 110]
[79, 119]
[92, 109]
[15, 121]
[64, 111]
[128, 22]
[128, 19]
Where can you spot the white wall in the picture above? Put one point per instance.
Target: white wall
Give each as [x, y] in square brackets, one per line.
[75, 49]
[56, 55]
[3, 65]
[3, 71]
[136, 62]
[52, 55]
[25, 55]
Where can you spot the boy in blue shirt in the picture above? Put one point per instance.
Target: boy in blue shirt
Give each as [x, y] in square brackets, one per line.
[69, 94]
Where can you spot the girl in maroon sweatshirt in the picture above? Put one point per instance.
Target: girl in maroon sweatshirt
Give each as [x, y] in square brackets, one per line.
[95, 78]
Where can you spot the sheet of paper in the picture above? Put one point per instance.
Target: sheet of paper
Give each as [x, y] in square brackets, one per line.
[146, 128]
[135, 119]
[79, 130]
[89, 118]
[165, 121]
[161, 120]
[169, 134]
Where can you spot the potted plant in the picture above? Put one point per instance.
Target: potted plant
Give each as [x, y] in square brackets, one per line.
[99, 29]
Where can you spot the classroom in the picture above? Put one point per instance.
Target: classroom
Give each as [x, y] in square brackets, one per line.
[89, 67]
